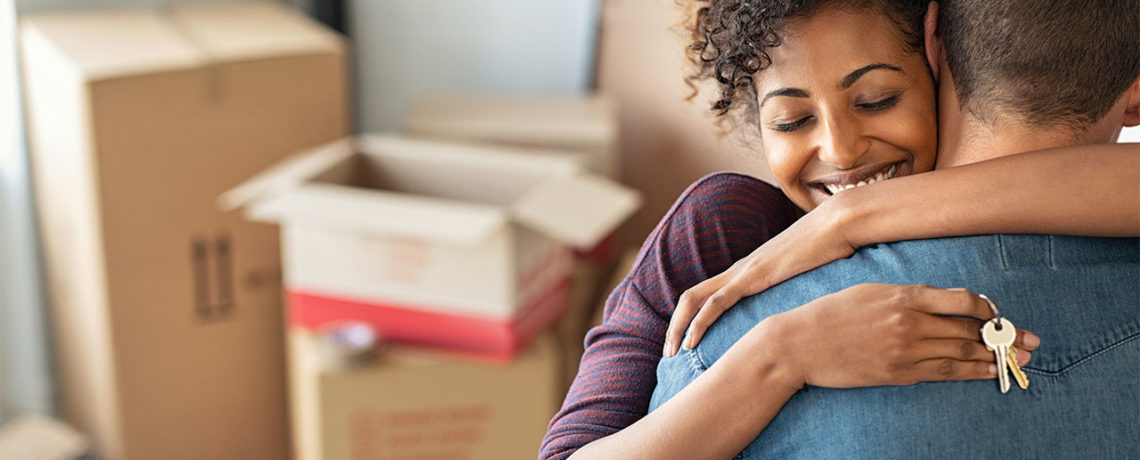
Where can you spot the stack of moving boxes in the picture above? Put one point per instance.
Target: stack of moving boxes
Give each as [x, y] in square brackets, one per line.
[166, 313]
[463, 247]
[167, 308]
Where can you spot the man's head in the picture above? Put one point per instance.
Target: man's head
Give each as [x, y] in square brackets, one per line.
[1059, 65]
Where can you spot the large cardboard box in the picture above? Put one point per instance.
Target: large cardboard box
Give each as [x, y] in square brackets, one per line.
[415, 403]
[436, 243]
[166, 312]
[566, 122]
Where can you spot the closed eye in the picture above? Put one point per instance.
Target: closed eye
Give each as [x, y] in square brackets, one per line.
[792, 126]
[880, 104]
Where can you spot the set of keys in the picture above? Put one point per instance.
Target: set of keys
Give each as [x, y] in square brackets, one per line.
[999, 334]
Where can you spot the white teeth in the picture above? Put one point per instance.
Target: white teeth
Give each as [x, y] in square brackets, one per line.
[881, 176]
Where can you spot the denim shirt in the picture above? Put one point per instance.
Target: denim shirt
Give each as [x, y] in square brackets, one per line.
[1080, 295]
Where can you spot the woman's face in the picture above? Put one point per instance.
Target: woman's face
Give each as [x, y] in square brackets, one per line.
[844, 103]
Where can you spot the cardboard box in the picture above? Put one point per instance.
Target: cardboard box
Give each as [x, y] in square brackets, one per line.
[166, 312]
[575, 123]
[415, 403]
[433, 243]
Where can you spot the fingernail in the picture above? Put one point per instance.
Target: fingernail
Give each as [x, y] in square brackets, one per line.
[666, 351]
[993, 369]
[1022, 356]
[956, 289]
[1031, 340]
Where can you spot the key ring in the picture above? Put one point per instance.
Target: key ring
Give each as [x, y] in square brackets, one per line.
[993, 306]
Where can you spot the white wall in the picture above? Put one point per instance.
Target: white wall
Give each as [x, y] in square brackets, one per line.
[25, 376]
[1130, 134]
[406, 47]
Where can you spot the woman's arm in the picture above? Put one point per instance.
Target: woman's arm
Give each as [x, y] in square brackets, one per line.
[1091, 190]
[899, 336]
[719, 219]
[714, 417]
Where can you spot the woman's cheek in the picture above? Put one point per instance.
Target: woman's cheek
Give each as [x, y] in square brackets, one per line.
[788, 161]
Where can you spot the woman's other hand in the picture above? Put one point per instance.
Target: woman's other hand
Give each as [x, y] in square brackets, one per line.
[816, 239]
[885, 334]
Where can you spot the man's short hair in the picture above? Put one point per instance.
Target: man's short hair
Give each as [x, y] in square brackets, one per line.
[1046, 62]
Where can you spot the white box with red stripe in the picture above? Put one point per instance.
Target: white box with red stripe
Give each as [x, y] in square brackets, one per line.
[437, 243]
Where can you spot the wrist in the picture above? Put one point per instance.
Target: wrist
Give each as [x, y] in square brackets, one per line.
[845, 213]
[771, 356]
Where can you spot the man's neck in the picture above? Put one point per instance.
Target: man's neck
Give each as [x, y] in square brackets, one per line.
[970, 140]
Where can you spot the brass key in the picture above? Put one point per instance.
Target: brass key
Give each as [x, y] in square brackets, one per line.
[999, 341]
[1015, 369]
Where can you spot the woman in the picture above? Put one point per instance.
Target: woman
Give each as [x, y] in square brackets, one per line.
[880, 86]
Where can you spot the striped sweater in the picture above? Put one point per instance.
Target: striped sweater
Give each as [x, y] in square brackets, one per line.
[718, 220]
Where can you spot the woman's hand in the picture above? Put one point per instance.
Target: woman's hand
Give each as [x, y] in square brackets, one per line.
[814, 240]
[885, 334]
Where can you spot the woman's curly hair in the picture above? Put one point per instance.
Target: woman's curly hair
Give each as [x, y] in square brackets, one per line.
[730, 40]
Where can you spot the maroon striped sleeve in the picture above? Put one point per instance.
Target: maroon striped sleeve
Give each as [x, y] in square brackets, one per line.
[716, 221]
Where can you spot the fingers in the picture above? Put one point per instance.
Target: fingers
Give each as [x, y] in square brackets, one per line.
[961, 302]
[715, 306]
[958, 302]
[946, 369]
[687, 307]
[943, 327]
[959, 349]
[1027, 340]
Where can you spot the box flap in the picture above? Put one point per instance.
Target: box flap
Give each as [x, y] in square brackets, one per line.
[102, 44]
[374, 211]
[492, 157]
[286, 175]
[113, 43]
[248, 30]
[579, 210]
[559, 121]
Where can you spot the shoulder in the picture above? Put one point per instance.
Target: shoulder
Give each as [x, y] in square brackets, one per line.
[717, 220]
[715, 191]
[730, 199]
[731, 208]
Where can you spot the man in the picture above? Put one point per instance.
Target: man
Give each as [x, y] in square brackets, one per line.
[1006, 77]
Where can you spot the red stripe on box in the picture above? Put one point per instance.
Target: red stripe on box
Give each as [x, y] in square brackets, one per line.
[498, 340]
[601, 252]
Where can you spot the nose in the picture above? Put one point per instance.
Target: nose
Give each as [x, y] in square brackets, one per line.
[841, 141]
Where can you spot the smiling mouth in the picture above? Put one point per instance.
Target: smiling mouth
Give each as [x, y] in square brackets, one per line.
[848, 182]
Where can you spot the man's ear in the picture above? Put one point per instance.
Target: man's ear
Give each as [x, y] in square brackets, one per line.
[1132, 107]
[931, 39]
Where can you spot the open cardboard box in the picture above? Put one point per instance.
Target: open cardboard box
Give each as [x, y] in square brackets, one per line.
[446, 244]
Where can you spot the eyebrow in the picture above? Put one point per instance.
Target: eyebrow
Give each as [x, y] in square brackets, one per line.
[844, 84]
[853, 76]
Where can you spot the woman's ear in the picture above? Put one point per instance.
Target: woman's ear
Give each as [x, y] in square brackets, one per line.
[932, 41]
[1132, 107]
